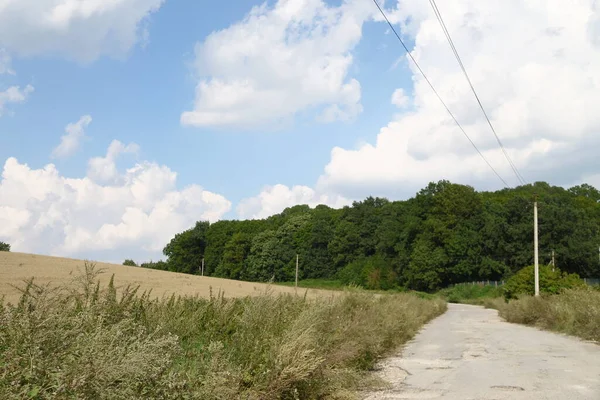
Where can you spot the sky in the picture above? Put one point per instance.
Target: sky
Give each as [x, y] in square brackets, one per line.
[123, 122]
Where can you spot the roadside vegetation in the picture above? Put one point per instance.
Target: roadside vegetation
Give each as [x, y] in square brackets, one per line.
[326, 284]
[470, 294]
[86, 341]
[574, 311]
[566, 304]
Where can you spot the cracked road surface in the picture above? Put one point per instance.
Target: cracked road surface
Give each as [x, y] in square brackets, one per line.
[471, 353]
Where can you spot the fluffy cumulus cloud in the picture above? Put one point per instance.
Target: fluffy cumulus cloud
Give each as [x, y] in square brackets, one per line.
[104, 169]
[70, 142]
[136, 214]
[537, 75]
[14, 94]
[279, 61]
[274, 199]
[78, 29]
[400, 99]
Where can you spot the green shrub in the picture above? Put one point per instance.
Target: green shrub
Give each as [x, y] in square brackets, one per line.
[4, 246]
[470, 294]
[370, 273]
[161, 265]
[130, 263]
[553, 282]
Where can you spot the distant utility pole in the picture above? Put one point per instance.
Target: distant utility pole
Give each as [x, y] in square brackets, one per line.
[535, 248]
[202, 270]
[553, 261]
[296, 270]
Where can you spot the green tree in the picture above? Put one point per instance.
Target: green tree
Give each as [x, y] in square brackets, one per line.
[264, 258]
[185, 251]
[234, 256]
[426, 268]
[447, 233]
[217, 236]
[4, 246]
[130, 263]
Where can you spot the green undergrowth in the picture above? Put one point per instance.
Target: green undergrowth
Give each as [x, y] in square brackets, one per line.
[470, 294]
[574, 311]
[327, 284]
[84, 341]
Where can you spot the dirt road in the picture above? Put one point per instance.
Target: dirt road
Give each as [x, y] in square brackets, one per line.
[470, 353]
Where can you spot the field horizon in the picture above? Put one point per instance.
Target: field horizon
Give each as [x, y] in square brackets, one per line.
[16, 268]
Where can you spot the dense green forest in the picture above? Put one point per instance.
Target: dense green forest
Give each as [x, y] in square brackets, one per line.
[447, 233]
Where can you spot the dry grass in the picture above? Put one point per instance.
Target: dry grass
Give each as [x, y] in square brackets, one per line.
[575, 312]
[85, 341]
[17, 267]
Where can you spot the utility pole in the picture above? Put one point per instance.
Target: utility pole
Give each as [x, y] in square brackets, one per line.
[553, 261]
[535, 248]
[296, 270]
[202, 266]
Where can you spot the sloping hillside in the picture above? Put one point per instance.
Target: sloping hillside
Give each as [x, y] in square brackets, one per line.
[16, 267]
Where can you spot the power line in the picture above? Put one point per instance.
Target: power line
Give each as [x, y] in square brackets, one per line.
[437, 94]
[455, 51]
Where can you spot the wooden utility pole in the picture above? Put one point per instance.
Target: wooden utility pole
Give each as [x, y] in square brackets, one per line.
[202, 271]
[535, 248]
[553, 262]
[296, 270]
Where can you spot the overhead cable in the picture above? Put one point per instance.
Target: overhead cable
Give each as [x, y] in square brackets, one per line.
[437, 94]
[464, 70]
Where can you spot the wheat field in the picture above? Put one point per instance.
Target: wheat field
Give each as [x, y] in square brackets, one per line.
[15, 268]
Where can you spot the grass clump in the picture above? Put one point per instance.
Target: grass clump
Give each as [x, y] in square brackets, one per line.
[86, 341]
[574, 311]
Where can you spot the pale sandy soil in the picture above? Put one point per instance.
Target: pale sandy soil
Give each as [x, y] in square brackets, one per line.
[16, 267]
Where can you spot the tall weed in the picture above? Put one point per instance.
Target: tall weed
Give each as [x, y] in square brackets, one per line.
[574, 312]
[88, 341]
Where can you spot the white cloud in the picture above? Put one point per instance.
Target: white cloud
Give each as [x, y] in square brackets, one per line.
[400, 99]
[69, 143]
[279, 61]
[79, 29]
[274, 199]
[14, 94]
[104, 169]
[42, 211]
[5, 63]
[538, 77]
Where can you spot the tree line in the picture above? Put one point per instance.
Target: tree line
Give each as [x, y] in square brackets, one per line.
[447, 233]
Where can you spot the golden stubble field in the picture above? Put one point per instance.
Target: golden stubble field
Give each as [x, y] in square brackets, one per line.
[17, 267]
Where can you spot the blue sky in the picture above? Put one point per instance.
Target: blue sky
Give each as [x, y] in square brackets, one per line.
[139, 98]
[199, 110]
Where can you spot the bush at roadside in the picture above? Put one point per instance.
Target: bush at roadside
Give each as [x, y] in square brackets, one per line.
[551, 282]
[470, 294]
